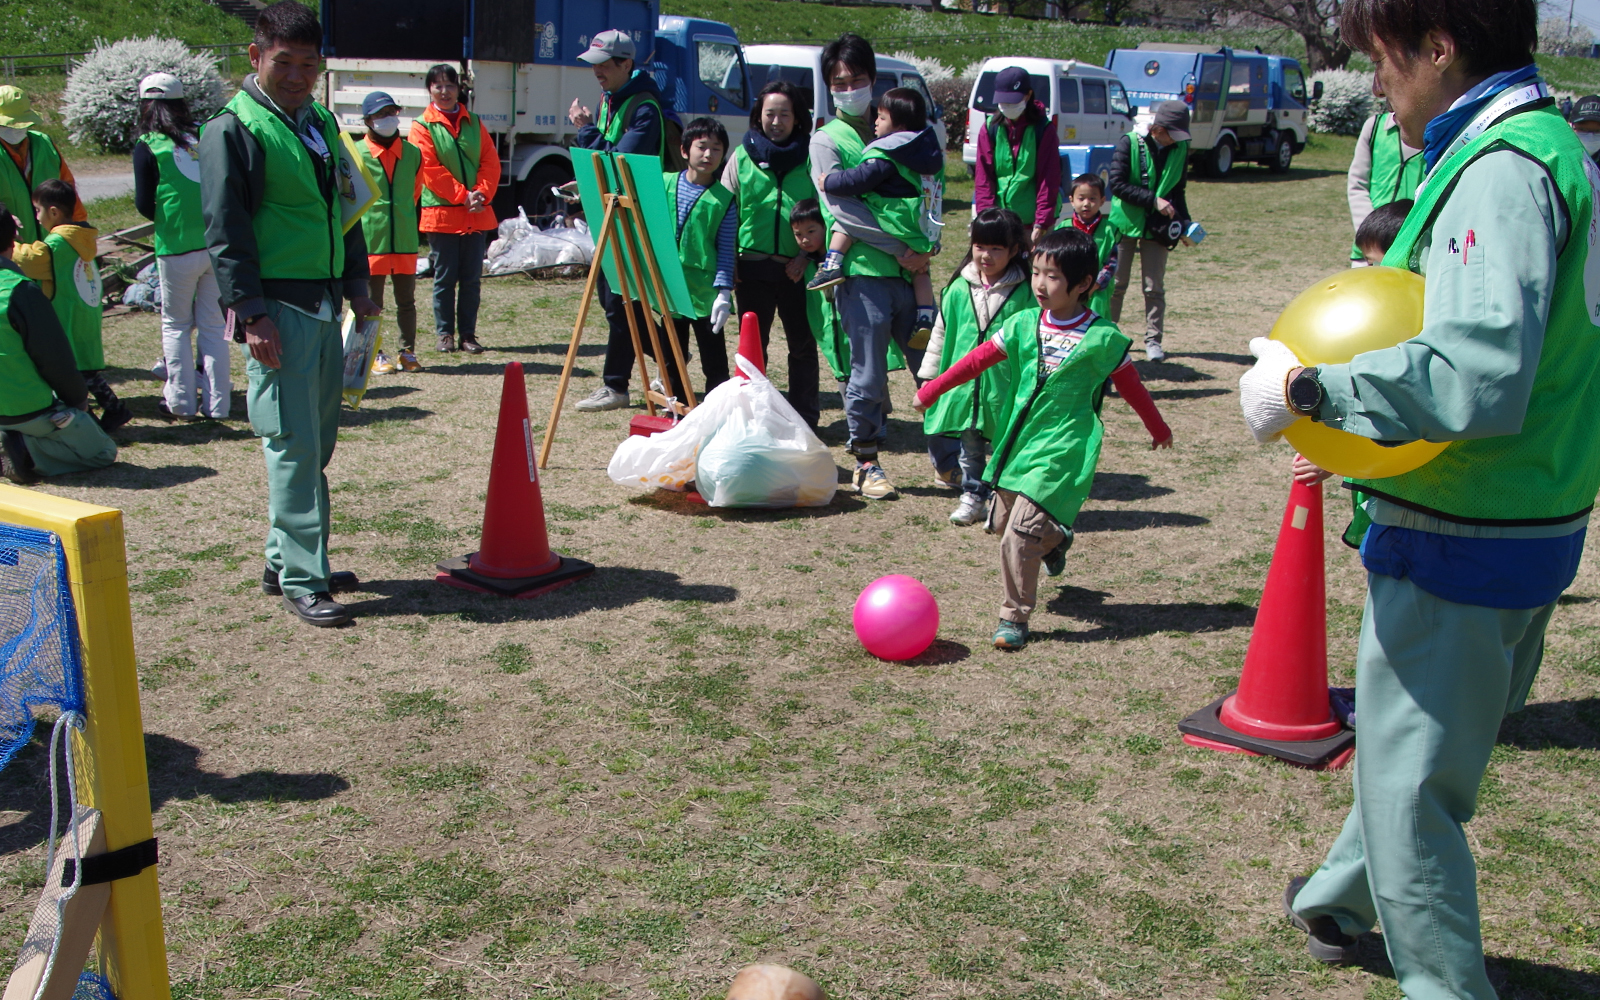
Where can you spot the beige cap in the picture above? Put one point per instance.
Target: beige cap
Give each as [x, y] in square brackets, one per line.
[160, 86]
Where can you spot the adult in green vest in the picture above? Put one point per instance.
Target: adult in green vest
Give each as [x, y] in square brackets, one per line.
[30, 159]
[44, 430]
[166, 190]
[631, 120]
[875, 302]
[286, 265]
[1018, 159]
[1147, 194]
[1466, 555]
[769, 173]
[391, 223]
[1383, 170]
[1586, 124]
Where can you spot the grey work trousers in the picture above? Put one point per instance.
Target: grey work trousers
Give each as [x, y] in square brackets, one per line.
[1153, 271]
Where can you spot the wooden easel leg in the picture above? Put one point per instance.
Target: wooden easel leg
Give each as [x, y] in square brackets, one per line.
[653, 268]
[607, 226]
[77, 924]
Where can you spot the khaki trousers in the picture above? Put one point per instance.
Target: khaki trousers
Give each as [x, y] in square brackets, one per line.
[1027, 535]
[1153, 268]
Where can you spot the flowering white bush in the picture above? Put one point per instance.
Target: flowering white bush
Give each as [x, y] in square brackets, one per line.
[101, 101]
[932, 70]
[1346, 102]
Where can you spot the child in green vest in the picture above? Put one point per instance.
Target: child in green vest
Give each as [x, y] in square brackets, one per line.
[1057, 358]
[901, 180]
[989, 287]
[708, 245]
[63, 264]
[1088, 198]
[1378, 230]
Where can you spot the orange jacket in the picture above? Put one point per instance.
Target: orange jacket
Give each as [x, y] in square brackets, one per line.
[454, 218]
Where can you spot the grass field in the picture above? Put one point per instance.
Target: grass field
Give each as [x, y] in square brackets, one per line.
[636, 785]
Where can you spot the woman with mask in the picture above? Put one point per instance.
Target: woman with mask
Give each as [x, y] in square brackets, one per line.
[768, 174]
[460, 171]
[166, 190]
[1022, 172]
[390, 224]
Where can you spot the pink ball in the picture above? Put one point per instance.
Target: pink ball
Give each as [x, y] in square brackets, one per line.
[896, 618]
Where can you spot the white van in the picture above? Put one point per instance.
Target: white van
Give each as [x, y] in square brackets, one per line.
[1089, 104]
[801, 65]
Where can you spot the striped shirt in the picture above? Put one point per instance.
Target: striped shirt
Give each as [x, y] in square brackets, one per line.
[727, 236]
[1057, 338]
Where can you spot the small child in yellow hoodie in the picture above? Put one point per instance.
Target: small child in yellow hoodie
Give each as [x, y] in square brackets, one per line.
[63, 265]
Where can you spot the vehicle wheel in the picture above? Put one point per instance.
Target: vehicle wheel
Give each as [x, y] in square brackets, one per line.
[540, 205]
[1221, 163]
[1279, 164]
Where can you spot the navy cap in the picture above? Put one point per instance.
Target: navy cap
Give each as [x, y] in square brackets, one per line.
[376, 102]
[1011, 84]
[1587, 109]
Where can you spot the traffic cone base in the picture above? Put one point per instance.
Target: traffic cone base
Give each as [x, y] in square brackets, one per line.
[458, 573]
[1206, 730]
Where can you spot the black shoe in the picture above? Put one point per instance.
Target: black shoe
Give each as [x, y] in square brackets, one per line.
[318, 609]
[115, 416]
[471, 346]
[340, 581]
[18, 466]
[1325, 942]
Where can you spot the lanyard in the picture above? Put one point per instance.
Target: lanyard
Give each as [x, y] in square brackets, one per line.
[1502, 105]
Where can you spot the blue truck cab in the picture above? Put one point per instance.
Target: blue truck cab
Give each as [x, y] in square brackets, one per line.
[1243, 106]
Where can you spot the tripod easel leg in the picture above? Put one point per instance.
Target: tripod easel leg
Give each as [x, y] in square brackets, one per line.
[602, 242]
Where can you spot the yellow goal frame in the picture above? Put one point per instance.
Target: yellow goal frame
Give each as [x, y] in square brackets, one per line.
[109, 751]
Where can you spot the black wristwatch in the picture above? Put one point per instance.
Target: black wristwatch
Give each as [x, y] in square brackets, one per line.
[1305, 393]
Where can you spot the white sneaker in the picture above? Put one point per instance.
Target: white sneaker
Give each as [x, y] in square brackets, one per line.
[603, 398]
[1153, 351]
[969, 511]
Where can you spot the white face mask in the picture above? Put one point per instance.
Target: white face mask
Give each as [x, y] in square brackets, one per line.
[13, 135]
[1014, 110]
[387, 125]
[1591, 142]
[853, 102]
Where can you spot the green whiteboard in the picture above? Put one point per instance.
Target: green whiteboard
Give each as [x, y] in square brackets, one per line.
[660, 225]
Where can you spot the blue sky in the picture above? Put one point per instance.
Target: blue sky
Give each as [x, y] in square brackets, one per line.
[1587, 11]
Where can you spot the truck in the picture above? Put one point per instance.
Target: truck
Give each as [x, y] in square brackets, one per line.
[519, 61]
[1089, 104]
[1243, 106]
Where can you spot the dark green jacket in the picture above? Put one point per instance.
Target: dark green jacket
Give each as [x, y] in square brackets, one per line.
[32, 316]
[232, 180]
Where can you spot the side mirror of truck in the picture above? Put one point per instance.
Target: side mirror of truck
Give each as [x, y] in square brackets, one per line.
[1316, 91]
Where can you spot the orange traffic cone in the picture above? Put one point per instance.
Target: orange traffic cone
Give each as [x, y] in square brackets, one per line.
[1281, 708]
[750, 341]
[514, 557]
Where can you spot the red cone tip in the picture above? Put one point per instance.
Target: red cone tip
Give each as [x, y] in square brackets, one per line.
[750, 341]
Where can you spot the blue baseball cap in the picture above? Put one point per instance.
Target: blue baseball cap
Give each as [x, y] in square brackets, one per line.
[376, 102]
[1011, 85]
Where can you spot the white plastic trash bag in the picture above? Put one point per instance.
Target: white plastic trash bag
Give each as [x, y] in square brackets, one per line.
[360, 341]
[521, 247]
[762, 454]
[666, 460]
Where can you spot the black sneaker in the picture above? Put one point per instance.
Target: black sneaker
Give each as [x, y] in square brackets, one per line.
[115, 416]
[18, 462]
[340, 581]
[1055, 561]
[318, 609]
[826, 277]
[1325, 942]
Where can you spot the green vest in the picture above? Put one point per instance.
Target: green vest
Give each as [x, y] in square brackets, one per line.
[1016, 176]
[1130, 219]
[1391, 178]
[765, 202]
[1051, 443]
[1105, 239]
[21, 388]
[298, 226]
[179, 225]
[459, 155]
[863, 260]
[984, 403]
[391, 223]
[697, 240]
[1550, 471]
[77, 302]
[16, 192]
[902, 218]
[829, 333]
[613, 125]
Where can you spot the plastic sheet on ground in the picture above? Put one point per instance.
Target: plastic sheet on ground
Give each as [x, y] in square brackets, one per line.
[521, 247]
[145, 290]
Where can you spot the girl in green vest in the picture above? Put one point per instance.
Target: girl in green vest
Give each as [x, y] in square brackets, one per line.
[1056, 358]
[990, 285]
[166, 190]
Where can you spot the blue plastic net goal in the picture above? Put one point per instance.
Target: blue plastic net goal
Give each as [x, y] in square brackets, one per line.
[39, 662]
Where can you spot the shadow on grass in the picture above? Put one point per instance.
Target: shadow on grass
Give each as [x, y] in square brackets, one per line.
[559, 350]
[175, 773]
[942, 651]
[679, 503]
[1170, 371]
[1135, 520]
[1564, 725]
[499, 367]
[123, 476]
[1125, 486]
[608, 588]
[1232, 359]
[181, 431]
[391, 391]
[1187, 393]
[384, 415]
[1249, 173]
[1128, 621]
[1512, 978]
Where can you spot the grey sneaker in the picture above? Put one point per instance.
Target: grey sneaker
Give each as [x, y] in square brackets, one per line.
[874, 483]
[603, 398]
[1325, 942]
[1011, 635]
[1153, 351]
[968, 511]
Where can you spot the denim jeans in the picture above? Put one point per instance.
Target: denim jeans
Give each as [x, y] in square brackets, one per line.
[872, 311]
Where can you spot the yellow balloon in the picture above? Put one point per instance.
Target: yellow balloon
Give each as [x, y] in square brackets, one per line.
[1355, 311]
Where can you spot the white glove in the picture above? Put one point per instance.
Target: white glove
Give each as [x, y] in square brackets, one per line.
[1261, 393]
[721, 309]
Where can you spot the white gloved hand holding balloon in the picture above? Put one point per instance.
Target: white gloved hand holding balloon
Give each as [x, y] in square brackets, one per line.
[1261, 390]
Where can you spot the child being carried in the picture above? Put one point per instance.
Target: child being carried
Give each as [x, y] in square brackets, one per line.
[900, 179]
